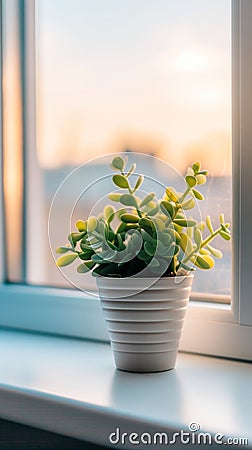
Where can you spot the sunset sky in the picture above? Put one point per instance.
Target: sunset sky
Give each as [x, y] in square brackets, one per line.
[150, 75]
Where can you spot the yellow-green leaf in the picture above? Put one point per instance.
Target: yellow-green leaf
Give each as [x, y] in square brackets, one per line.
[63, 249]
[85, 267]
[147, 199]
[109, 212]
[167, 209]
[204, 262]
[131, 170]
[171, 195]
[185, 222]
[139, 182]
[215, 252]
[186, 243]
[197, 194]
[209, 224]
[191, 180]
[129, 218]
[92, 224]
[65, 260]
[225, 235]
[117, 163]
[120, 181]
[115, 197]
[81, 225]
[128, 200]
[196, 166]
[188, 204]
[197, 237]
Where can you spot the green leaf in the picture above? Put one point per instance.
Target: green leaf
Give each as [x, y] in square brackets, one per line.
[123, 227]
[81, 225]
[92, 224]
[186, 243]
[166, 251]
[138, 182]
[97, 259]
[131, 170]
[146, 224]
[147, 199]
[167, 209]
[117, 163]
[121, 245]
[171, 195]
[197, 194]
[147, 237]
[149, 248]
[128, 200]
[85, 256]
[215, 252]
[174, 234]
[203, 172]
[115, 197]
[185, 222]
[129, 218]
[196, 167]
[63, 249]
[65, 260]
[153, 211]
[75, 237]
[222, 220]
[191, 180]
[164, 238]
[209, 224]
[204, 262]
[85, 267]
[90, 246]
[143, 256]
[204, 251]
[160, 225]
[121, 181]
[225, 235]
[197, 237]
[109, 212]
[188, 204]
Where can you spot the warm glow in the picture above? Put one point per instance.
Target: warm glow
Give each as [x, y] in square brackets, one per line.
[12, 143]
[191, 61]
[160, 90]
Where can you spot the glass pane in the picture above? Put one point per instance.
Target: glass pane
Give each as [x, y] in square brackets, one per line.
[149, 76]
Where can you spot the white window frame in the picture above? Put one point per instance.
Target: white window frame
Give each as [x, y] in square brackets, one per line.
[210, 328]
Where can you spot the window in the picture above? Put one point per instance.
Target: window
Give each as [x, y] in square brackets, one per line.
[160, 72]
[136, 74]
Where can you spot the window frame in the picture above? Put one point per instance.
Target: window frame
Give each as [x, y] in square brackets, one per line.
[210, 328]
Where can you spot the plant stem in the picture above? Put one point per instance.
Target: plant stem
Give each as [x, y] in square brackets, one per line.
[182, 198]
[131, 192]
[203, 244]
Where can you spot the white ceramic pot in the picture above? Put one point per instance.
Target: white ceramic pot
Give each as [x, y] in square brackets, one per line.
[144, 320]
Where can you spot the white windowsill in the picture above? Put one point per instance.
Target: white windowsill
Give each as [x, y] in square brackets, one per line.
[70, 386]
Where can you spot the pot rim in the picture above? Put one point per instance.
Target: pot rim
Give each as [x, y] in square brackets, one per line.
[131, 283]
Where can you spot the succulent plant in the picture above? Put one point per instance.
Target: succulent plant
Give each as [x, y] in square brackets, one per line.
[145, 236]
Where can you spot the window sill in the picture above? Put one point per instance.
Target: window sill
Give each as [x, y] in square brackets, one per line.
[71, 387]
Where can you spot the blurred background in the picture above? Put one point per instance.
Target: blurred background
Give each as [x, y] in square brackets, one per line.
[145, 76]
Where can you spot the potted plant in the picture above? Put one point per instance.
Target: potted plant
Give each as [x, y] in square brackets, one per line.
[143, 255]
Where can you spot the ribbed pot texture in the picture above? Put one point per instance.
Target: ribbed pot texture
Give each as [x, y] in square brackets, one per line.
[144, 320]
